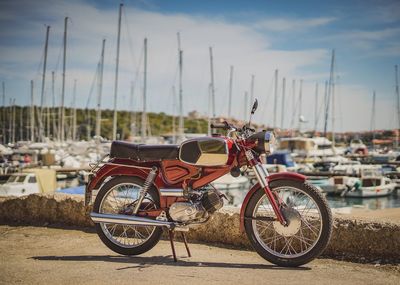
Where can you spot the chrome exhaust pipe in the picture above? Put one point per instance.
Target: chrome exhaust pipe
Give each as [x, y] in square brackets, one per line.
[128, 220]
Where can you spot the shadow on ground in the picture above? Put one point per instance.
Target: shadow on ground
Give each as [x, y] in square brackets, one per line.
[143, 262]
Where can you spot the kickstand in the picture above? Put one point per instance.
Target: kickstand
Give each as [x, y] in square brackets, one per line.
[186, 244]
[171, 239]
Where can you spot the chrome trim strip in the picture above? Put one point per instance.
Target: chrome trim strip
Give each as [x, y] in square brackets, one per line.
[127, 165]
[128, 220]
[172, 192]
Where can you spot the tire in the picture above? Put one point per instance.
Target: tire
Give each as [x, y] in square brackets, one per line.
[154, 236]
[292, 239]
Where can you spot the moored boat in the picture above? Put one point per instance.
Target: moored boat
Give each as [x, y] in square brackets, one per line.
[373, 184]
[31, 181]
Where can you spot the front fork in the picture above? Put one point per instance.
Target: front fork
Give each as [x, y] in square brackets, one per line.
[262, 177]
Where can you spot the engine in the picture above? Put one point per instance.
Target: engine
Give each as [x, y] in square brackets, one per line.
[203, 203]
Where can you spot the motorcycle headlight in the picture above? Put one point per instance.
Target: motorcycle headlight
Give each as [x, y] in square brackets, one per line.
[265, 142]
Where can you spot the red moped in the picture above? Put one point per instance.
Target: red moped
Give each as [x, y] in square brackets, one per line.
[142, 189]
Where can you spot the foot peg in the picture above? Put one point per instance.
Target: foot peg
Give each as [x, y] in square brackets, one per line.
[171, 239]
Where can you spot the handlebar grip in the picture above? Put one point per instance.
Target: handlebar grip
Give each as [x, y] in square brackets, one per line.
[218, 126]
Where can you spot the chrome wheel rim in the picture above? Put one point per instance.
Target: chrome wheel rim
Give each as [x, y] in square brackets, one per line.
[121, 198]
[302, 233]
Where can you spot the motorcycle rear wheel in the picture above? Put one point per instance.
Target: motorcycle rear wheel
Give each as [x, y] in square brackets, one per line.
[116, 195]
[309, 229]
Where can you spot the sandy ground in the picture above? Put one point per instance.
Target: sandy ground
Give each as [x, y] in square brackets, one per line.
[35, 255]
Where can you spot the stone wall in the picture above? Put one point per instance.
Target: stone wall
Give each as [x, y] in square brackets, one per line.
[351, 239]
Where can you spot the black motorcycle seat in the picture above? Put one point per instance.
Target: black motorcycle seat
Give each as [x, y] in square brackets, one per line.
[143, 152]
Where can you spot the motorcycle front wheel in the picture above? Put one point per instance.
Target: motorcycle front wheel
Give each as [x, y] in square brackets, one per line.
[119, 195]
[309, 223]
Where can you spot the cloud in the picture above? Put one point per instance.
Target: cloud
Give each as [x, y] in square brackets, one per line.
[366, 39]
[286, 24]
[233, 44]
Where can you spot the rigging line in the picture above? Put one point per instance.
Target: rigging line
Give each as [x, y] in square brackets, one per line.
[41, 62]
[130, 42]
[297, 107]
[225, 96]
[136, 77]
[59, 58]
[320, 110]
[264, 104]
[175, 74]
[339, 101]
[61, 48]
[94, 81]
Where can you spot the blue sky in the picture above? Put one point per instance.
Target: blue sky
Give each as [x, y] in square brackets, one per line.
[256, 37]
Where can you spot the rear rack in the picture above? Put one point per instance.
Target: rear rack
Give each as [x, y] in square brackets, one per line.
[95, 166]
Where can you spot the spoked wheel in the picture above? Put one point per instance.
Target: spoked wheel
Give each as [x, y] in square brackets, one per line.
[119, 196]
[309, 223]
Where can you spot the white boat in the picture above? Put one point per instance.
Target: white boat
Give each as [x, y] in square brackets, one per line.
[309, 147]
[357, 147]
[337, 184]
[228, 182]
[233, 187]
[30, 181]
[373, 184]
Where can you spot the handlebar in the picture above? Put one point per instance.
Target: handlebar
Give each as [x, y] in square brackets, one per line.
[224, 126]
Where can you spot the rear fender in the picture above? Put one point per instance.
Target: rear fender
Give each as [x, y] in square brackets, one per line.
[109, 170]
[271, 178]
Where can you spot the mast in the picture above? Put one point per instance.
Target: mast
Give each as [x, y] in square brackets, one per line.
[316, 108]
[62, 119]
[144, 114]
[181, 122]
[300, 101]
[13, 120]
[4, 113]
[333, 97]
[328, 98]
[246, 98]
[230, 92]
[372, 128]
[10, 121]
[209, 110]
[21, 124]
[252, 89]
[398, 104]
[99, 91]
[54, 104]
[74, 112]
[41, 127]
[32, 121]
[275, 97]
[325, 99]
[131, 106]
[212, 84]
[283, 101]
[293, 103]
[116, 75]
[173, 114]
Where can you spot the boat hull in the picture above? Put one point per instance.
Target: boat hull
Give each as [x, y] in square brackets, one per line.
[371, 192]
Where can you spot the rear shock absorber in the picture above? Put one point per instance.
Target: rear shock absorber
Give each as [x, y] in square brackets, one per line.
[147, 184]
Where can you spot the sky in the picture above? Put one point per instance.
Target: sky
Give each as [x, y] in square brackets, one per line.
[255, 37]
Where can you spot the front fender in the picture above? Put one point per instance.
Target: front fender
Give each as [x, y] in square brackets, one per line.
[271, 178]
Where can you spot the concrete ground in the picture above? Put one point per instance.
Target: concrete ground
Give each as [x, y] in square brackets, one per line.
[390, 215]
[39, 255]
